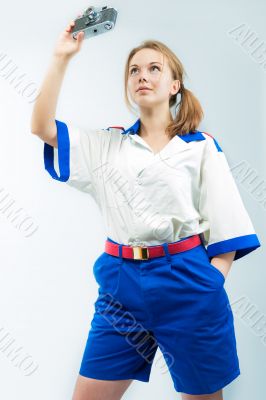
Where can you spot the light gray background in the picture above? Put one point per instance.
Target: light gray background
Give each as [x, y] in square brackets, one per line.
[47, 288]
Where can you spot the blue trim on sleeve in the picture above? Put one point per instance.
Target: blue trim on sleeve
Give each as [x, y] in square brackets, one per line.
[63, 154]
[242, 245]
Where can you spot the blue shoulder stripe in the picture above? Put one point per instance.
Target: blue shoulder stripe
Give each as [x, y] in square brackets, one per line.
[215, 142]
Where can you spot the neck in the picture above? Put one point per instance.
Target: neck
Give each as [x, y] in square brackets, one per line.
[154, 123]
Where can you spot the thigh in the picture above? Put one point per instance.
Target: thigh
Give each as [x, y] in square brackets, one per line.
[213, 396]
[96, 389]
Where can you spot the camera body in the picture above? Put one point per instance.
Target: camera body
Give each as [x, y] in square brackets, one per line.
[94, 21]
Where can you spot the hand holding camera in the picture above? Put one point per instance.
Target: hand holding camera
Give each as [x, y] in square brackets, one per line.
[94, 21]
[66, 45]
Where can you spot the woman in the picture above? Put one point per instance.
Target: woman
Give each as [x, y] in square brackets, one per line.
[175, 222]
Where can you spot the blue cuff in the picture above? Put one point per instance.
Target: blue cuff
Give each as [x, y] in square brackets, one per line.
[63, 154]
[241, 244]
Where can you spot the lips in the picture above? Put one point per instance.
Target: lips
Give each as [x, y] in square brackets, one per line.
[143, 88]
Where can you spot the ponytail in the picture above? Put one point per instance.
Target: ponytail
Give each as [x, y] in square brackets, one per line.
[189, 115]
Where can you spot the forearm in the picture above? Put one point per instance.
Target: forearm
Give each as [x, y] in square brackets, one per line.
[223, 262]
[43, 115]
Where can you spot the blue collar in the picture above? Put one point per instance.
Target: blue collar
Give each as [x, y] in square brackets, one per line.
[133, 129]
[188, 137]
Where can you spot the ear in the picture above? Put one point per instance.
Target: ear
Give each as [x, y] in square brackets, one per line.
[175, 87]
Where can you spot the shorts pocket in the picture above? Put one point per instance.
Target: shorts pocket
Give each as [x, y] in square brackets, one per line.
[194, 268]
[106, 271]
[217, 271]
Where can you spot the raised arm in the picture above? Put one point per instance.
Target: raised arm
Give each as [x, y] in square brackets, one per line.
[44, 110]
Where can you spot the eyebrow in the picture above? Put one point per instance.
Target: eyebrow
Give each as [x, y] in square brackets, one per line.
[153, 62]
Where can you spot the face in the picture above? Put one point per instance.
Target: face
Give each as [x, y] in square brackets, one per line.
[150, 68]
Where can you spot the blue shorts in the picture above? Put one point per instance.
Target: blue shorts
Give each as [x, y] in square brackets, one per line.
[177, 302]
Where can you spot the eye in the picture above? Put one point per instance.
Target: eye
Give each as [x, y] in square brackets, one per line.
[153, 66]
[132, 70]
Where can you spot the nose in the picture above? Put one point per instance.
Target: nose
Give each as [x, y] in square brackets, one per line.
[142, 75]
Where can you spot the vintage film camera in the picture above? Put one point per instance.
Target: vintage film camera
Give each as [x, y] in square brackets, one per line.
[94, 21]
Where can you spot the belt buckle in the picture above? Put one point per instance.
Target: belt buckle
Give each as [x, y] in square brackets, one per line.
[140, 253]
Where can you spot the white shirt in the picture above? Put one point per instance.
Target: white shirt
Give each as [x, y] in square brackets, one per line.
[149, 199]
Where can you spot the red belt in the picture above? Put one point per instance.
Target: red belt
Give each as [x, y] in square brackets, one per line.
[146, 252]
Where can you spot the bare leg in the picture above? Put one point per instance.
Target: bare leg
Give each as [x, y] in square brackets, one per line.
[213, 396]
[96, 389]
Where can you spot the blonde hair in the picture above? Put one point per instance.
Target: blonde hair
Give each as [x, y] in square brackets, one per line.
[190, 112]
